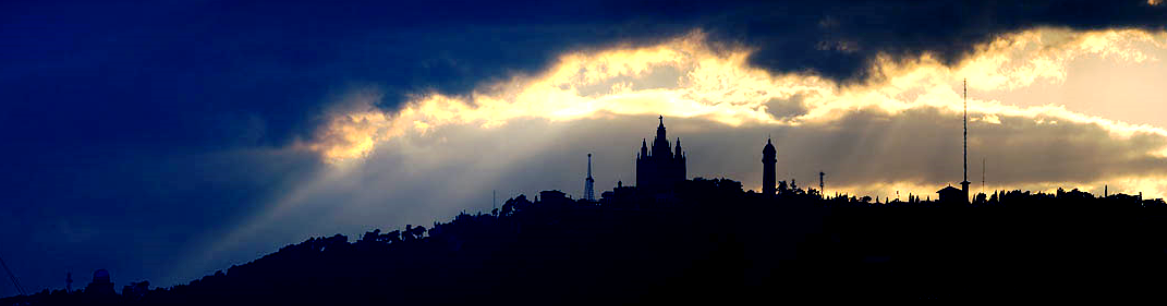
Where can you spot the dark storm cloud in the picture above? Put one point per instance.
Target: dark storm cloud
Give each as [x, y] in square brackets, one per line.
[838, 39]
[193, 73]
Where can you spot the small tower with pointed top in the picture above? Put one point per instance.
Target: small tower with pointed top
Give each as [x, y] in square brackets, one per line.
[589, 183]
[679, 162]
[643, 148]
[769, 158]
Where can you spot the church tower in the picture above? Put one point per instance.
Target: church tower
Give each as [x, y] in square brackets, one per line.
[658, 168]
[769, 158]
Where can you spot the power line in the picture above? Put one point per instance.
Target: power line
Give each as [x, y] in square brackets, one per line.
[12, 277]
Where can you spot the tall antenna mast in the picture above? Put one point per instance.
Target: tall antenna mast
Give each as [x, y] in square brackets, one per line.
[822, 191]
[589, 183]
[982, 175]
[964, 183]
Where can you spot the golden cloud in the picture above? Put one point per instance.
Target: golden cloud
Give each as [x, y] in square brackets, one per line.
[721, 86]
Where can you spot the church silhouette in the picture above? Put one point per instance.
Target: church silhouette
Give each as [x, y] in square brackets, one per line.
[660, 169]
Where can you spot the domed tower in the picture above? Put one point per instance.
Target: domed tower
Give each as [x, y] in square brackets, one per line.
[101, 285]
[769, 158]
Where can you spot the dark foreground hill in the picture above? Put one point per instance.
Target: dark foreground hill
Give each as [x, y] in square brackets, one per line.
[710, 243]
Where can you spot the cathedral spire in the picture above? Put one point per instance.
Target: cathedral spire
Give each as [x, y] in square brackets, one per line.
[660, 144]
[660, 130]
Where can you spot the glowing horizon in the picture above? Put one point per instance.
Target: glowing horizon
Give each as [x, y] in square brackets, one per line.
[721, 87]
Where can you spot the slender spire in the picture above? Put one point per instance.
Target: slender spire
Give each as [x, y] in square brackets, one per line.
[589, 183]
[589, 165]
[660, 132]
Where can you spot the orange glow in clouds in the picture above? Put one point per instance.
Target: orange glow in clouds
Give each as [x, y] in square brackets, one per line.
[683, 77]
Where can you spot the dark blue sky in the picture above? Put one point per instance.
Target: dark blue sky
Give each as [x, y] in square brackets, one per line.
[135, 132]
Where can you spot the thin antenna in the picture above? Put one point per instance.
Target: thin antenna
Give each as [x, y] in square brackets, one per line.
[983, 174]
[493, 200]
[964, 184]
[821, 189]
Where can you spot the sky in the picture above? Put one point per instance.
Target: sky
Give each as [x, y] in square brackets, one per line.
[166, 140]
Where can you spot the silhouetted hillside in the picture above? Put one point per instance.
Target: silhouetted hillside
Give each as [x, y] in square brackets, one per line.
[709, 242]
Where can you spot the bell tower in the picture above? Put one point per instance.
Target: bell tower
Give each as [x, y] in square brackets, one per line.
[769, 158]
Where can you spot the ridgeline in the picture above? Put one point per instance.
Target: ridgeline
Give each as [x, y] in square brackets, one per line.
[708, 242]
